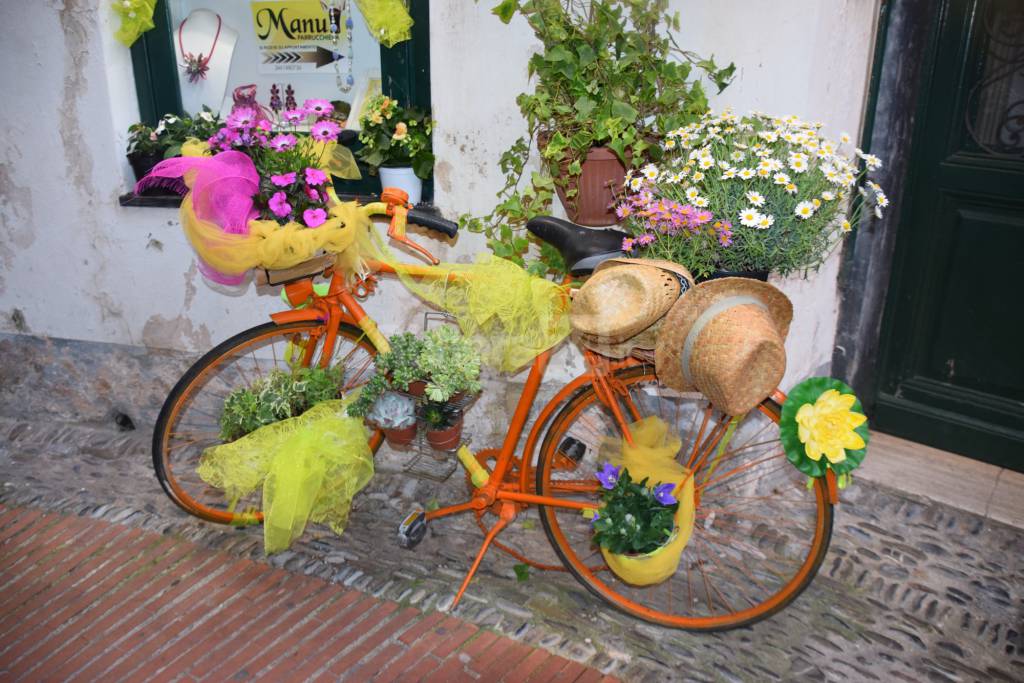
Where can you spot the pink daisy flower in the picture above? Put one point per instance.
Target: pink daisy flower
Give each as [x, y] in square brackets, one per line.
[282, 143]
[318, 107]
[314, 218]
[283, 180]
[243, 117]
[294, 116]
[325, 131]
[264, 125]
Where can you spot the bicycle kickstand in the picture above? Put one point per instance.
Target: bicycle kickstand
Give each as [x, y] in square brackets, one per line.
[507, 514]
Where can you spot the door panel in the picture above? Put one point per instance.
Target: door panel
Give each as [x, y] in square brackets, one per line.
[952, 360]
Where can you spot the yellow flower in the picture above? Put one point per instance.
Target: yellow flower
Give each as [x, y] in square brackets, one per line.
[376, 118]
[401, 130]
[827, 427]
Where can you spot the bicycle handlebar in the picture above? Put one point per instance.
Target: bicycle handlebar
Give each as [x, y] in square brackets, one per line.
[431, 222]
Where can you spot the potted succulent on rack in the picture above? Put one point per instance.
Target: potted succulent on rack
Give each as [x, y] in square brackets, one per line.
[444, 425]
[450, 364]
[395, 415]
[748, 195]
[396, 143]
[609, 80]
[396, 370]
[636, 527]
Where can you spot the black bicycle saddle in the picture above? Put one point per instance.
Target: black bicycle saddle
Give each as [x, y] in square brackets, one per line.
[581, 248]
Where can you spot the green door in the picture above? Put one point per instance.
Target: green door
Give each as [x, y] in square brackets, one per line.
[951, 368]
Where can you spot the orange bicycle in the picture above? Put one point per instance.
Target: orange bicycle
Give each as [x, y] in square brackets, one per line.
[761, 531]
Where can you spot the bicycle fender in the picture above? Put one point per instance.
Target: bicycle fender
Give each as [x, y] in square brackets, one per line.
[295, 316]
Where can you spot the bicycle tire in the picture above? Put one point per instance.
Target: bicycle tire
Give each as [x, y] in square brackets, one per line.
[176, 471]
[638, 602]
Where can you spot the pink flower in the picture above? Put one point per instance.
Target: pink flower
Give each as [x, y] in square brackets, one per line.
[279, 204]
[294, 116]
[314, 217]
[283, 180]
[263, 125]
[312, 194]
[627, 244]
[325, 131]
[318, 107]
[243, 117]
[645, 239]
[315, 176]
[282, 143]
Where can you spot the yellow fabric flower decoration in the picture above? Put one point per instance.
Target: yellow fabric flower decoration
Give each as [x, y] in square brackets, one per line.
[827, 426]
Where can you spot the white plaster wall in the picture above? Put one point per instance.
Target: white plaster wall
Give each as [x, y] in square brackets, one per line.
[74, 264]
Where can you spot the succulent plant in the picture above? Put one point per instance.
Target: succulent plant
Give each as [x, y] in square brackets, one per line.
[392, 411]
[450, 364]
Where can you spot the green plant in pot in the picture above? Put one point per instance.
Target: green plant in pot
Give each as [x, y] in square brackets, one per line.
[444, 425]
[148, 145]
[450, 363]
[277, 396]
[609, 80]
[396, 144]
[395, 414]
[396, 370]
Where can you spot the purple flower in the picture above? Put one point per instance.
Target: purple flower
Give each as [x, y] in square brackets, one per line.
[243, 117]
[663, 494]
[315, 176]
[294, 116]
[608, 476]
[597, 516]
[325, 131]
[282, 143]
[312, 194]
[318, 107]
[645, 239]
[279, 204]
[314, 218]
[628, 243]
[264, 125]
[283, 180]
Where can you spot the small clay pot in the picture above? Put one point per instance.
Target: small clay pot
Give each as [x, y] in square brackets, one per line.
[447, 439]
[417, 388]
[397, 438]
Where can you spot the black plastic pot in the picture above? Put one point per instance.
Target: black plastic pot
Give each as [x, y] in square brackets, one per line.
[761, 275]
[143, 163]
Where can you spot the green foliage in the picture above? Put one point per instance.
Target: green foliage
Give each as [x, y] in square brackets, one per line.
[610, 73]
[171, 133]
[402, 363]
[440, 415]
[277, 396]
[632, 520]
[807, 392]
[450, 363]
[396, 136]
[522, 572]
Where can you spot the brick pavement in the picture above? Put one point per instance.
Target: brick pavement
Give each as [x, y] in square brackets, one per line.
[84, 599]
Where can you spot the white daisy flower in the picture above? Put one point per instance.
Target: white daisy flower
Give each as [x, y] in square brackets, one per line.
[692, 193]
[804, 210]
[781, 179]
[697, 176]
[728, 174]
[763, 173]
[846, 226]
[790, 188]
[828, 196]
[764, 222]
[636, 183]
[798, 165]
[670, 143]
[700, 202]
[878, 212]
[844, 138]
[675, 178]
[650, 171]
[755, 198]
[881, 199]
[749, 217]
[746, 173]
[705, 163]
[737, 156]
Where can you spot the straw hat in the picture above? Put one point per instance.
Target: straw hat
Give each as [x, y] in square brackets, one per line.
[626, 296]
[725, 338]
[646, 340]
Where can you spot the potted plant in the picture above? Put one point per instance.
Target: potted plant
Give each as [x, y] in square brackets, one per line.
[396, 143]
[147, 145]
[450, 364]
[748, 195]
[609, 80]
[636, 528]
[444, 425]
[395, 414]
[396, 370]
[276, 396]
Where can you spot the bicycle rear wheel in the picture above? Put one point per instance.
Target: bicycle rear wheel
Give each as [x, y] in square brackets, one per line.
[189, 420]
[760, 534]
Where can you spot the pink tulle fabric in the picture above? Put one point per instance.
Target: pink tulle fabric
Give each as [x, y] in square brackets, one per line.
[222, 186]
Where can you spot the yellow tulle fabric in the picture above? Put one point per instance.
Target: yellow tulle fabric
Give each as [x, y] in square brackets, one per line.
[388, 20]
[507, 314]
[309, 466]
[268, 244]
[136, 18]
[193, 147]
[652, 455]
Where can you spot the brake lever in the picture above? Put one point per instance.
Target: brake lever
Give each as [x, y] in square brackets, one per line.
[396, 231]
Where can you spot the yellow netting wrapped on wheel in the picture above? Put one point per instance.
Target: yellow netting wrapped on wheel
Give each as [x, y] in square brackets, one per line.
[309, 466]
[388, 20]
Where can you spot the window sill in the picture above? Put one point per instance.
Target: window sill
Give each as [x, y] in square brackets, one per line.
[173, 201]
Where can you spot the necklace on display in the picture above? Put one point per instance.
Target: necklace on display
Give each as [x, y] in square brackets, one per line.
[196, 66]
[335, 9]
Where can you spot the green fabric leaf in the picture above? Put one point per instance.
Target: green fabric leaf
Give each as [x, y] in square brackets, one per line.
[522, 571]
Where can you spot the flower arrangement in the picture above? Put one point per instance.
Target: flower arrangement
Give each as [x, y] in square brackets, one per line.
[634, 518]
[276, 396]
[779, 191]
[823, 427]
[293, 186]
[393, 135]
[149, 144]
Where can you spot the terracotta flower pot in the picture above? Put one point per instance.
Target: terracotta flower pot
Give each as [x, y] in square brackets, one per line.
[602, 178]
[400, 437]
[447, 439]
[417, 388]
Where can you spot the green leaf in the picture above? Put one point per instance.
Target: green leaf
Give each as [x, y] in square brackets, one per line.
[624, 111]
[506, 10]
[522, 571]
[586, 53]
[557, 54]
[584, 105]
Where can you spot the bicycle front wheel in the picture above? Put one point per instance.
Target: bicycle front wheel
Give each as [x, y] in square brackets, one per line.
[760, 533]
[189, 421]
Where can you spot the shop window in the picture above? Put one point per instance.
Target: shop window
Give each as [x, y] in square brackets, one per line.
[251, 43]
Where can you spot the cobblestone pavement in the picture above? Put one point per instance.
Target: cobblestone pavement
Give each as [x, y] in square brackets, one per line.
[88, 600]
[910, 590]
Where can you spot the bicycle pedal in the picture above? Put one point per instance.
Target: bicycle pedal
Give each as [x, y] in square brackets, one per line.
[412, 529]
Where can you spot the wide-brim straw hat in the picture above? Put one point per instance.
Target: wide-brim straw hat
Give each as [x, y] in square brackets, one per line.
[626, 296]
[726, 338]
[646, 340]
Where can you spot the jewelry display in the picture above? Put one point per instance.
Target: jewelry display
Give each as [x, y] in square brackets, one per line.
[196, 65]
[336, 10]
[275, 99]
[289, 97]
